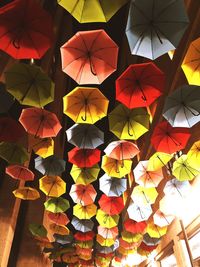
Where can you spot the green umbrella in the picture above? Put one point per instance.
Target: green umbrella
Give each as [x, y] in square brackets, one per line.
[29, 85]
[56, 205]
[37, 229]
[13, 153]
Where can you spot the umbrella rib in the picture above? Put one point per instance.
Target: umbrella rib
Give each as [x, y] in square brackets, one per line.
[165, 8]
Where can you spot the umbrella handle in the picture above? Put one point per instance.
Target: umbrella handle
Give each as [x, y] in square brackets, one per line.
[16, 44]
[84, 118]
[91, 66]
[129, 133]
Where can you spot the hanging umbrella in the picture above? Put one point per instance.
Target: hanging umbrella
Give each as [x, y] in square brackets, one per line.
[19, 36]
[111, 205]
[58, 218]
[155, 28]
[193, 154]
[85, 136]
[147, 178]
[6, 100]
[43, 147]
[59, 229]
[50, 165]
[112, 187]
[135, 227]
[63, 239]
[52, 186]
[13, 153]
[56, 205]
[167, 139]
[26, 193]
[110, 233]
[89, 57]
[191, 63]
[84, 157]
[84, 236]
[128, 123]
[126, 252]
[85, 244]
[130, 237]
[151, 241]
[162, 219]
[106, 220]
[83, 251]
[116, 168]
[107, 242]
[104, 249]
[143, 246]
[183, 170]
[85, 105]
[10, 130]
[84, 212]
[140, 85]
[29, 85]
[84, 225]
[177, 188]
[158, 160]
[20, 172]
[182, 107]
[83, 194]
[40, 122]
[139, 213]
[143, 196]
[37, 230]
[155, 230]
[84, 175]
[128, 245]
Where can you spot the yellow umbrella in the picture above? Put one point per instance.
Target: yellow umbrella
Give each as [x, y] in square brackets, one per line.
[194, 154]
[84, 212]
[84, 176]
[116, 168]
[143, 195]
[85, 244]
[128, 123]
[85, 257]
[106, 220]
[126, 252]
[191, 63]
[43, 147]
[130, 237]
[158, 160]
[52, 186]
[59, 229]
[26, 193]
[106, 242]
[85, 105]
[156, 231]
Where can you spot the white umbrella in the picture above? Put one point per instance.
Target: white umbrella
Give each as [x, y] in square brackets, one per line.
[139, 213]
[112, 187]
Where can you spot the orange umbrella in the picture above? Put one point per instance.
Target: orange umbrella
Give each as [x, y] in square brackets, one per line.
[111, 205]
[20, 172]
[26, 193]
[107, 232]
[83, 194]
[43, 147]
[84, 236]
[58, 218]
[85, 251]
[59, 229]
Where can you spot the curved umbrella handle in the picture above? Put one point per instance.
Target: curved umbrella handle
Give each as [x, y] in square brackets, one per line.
[129, 133]
[16, 44]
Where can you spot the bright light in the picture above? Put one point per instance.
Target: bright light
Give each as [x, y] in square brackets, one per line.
[133, 259]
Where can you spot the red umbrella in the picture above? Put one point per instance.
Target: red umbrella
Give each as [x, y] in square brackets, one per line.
[140, 85]
[84, 157]
[111, 205]
[84, 236]
[58, 218]
[167, 139]
[128, 245]
[135, 227]
[20, 172]
[40, 122]
[83, 194]
[147, 248]
[89, 57]
[10, 130]
[26, 29]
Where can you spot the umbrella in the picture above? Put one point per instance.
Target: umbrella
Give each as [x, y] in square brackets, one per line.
[37, 229]
[162, 219]
[6, 100]
[155, 28]
[13, 153]
[147, 178]
[84, 236]
[83, 194]
[52, 186]
[130, 237]
[29, 85]
[26, 193]
[63, 239]
[102, 11]
[104, 249]
[40, 122]
[184, 170]
[84, 212]
[56, 205]
[85, 105]
[84, 225]
[59, 229]
[84, 175]
[191, 63]
[182, 107]
[126, 252]
[143, 246]
[58, 218]
[10, 130]
[140, 85]
[112, 187]
[89, 57]
[20, 172]
[151, 241]
[142, 195]
[83, 251]
[128, 123]
[85, 136]
[43, 147]
[19, 36]
[84, 157]
[139, 213]
[177, 188]
[158, 160]
[50, 165]
[107, 242]
[155, 230]
[111, 205]
[116, 168]
[84, 244]
[107, 233]
[167, 139]
[193, 154]
[135, 227]
[106, 220]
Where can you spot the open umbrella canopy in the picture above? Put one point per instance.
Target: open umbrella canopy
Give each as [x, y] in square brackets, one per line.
[6, 100]
[111, 205]
[43, 147]
[37, 230]
[84, 225]
[143, 246]
[130, 237]
[104, 249]
[85, 136]
[51, 165]
[84, 236]
[58, 218]
[106, 220]
[128, 123]
[56, 205]
[84, 175]
[89, 57]
[158, 160]
[107, 232]
[128, 245]
[83, 194]
[193, 154]
[22, 24]
[52, 186]
[84, 212]
[26, 193]
[151, 241]
[20, 172]
[177, 188]
[112, 187]
[107, 242]
[162, 219]
[154, 28]
[10, 130]
[182, 107]
[156, 231]
[13, 153]
[142, 195]
[140, 85]
[135, 227]
[40, 122]
[139, 213]
[63, 239]
[59, 229]
[29, 85]
[85, 105]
